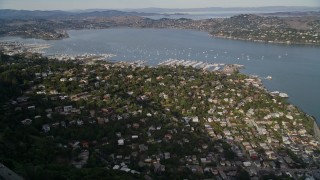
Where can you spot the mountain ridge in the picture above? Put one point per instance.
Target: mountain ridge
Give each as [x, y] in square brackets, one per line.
[39, 14]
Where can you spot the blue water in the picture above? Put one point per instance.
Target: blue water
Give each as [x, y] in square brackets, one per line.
[295, 69]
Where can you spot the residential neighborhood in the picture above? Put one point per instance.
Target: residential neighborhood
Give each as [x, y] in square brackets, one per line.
[137, 121]
[268, 29]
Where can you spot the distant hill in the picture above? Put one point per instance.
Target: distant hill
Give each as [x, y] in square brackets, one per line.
[110, 13]
[294, 14]
[24, 14]
[217, 9]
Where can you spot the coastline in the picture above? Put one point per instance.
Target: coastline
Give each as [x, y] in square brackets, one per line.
[66, 35]
[265, 42]
[316, 129]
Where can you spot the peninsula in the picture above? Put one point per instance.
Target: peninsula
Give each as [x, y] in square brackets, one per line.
[71, 119]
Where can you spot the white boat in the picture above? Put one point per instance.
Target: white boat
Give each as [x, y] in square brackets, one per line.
[283, 95]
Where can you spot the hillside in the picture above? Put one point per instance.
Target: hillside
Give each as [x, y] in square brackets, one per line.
[83, 119]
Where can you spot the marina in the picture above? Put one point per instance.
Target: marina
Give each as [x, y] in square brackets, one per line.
[190, 63]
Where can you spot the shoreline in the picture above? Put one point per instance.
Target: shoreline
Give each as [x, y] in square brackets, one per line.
[316, 130]
[266, 42]
[66, 36]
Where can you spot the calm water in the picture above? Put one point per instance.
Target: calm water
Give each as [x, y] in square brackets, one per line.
[205, 15]
[295, 69]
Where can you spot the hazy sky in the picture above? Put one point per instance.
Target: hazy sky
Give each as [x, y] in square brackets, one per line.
[118, 4]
